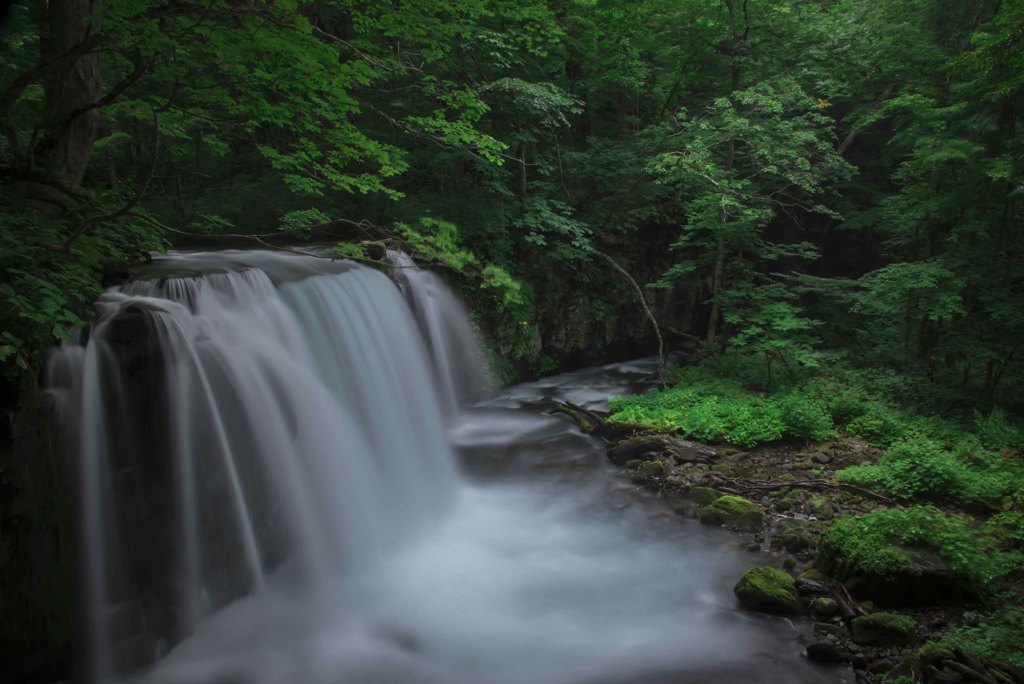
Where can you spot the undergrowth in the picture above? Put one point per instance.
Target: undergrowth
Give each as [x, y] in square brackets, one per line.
[721, 410]
[875, 544]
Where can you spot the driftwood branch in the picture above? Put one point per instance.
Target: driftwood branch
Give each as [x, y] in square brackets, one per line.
[595, 424]
[662, 375]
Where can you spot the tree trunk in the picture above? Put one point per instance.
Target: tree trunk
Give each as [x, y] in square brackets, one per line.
[716, 285]
[71, 87]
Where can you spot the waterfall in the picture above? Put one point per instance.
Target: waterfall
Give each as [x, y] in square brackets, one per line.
[238, 414]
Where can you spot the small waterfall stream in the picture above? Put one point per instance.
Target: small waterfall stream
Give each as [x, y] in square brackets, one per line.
[271, 491]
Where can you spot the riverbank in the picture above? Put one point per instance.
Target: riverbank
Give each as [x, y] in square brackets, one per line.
[899, 537]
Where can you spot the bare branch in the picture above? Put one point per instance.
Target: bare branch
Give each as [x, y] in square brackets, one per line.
[662, 376]
[103, 218]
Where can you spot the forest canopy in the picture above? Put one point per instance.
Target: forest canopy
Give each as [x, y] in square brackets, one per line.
[803, 176]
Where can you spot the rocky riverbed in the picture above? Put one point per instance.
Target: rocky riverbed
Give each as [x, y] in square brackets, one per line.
[780, 500]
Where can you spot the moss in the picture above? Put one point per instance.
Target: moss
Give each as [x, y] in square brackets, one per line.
[702, 496]
[767, 590]
[633, 464]
[733, 511]
[824, 606]
[648, 470]
[794, 540]
[814, 575]
[882, 628]
[916, 542]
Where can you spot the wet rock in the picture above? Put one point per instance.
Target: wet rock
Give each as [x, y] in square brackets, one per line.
[767, 590]
[881, 629]
[811, 587]
[924, 579]
[648, 447]
[881, 666]
[794, 540]
[825, 652]
[824, 606]
[821, 458]
[833, 631]
[702, 496]
[648, 470]
[811, 574]
[733, 511]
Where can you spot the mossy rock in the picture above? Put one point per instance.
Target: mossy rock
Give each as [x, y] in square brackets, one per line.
[648, 470]
[824, 606]
[733, 511]
[767, 590]
[794, 540]
[702, 496]
[813, 575]
[880, 629]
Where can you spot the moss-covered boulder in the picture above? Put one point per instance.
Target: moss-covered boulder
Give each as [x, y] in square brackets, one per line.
[881, 629]
[767, 590]
[648, 470]
[903, 556]
[702, 496]
[733, 511]
[794, 540]
[824, 606]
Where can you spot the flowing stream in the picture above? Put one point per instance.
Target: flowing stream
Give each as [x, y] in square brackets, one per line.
[281, 480]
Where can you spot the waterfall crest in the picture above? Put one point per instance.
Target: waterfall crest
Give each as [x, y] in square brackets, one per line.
[250, 412]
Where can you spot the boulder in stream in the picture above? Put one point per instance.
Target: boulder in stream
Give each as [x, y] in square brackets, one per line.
[767, 590]
[733, 511]
[881, 629]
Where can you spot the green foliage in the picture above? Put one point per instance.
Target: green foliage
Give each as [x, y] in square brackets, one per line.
[721, 411]
[44, 291]
[805, 416]
[877, 543]
[995, 431]
[995, 637]
[920, 469]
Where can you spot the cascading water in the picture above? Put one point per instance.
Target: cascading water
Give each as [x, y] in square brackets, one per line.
[288, 403]
[270, 493]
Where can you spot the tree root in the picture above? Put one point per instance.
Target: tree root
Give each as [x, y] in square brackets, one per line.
[745, 485]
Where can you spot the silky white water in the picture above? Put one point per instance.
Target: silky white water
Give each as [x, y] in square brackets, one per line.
[271, 448]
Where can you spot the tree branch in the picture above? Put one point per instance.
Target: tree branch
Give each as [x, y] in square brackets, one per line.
[114, 93]
[15, 90]
[662, 376]
[103, 218]
[852, 135]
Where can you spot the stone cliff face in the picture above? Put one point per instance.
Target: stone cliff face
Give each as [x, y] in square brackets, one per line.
[590, 316]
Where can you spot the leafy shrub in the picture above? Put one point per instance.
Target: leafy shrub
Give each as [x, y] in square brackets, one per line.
[996, 432]
[879, 425]
[753, 424]
[804, 415]
[872, 543]
[844, 401]
[922, 469]
[995, 637]
[722, 410]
